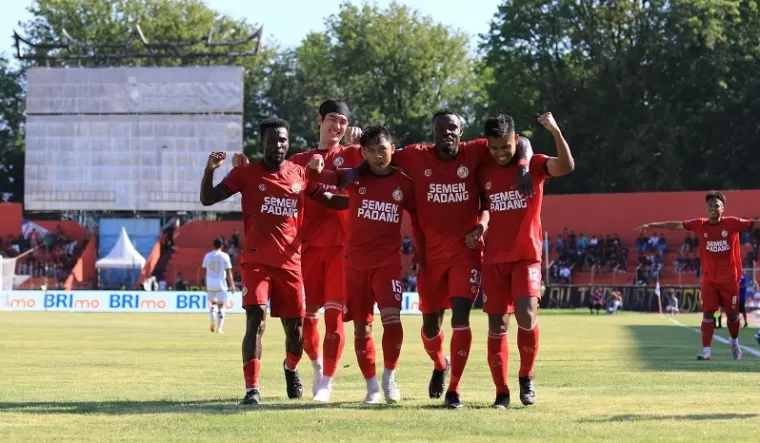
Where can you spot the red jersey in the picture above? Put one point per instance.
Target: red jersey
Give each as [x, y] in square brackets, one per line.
[322, 226]
[376, 205]
[515, 232]
[272, 203]
[447, 196]
[719, 249]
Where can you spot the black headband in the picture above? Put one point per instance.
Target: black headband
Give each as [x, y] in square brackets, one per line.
[331, 106]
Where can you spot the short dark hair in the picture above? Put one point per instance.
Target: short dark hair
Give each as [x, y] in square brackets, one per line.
[499, 126]
[445, 111]
[272, 123]
[218, 243]
[717, 195]
[375, 132]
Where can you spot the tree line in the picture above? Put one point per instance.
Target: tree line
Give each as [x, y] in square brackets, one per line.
[652, 95]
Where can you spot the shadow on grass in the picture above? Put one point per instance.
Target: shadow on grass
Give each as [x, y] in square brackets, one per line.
[133, 407]
[675, 348]
[660, 418]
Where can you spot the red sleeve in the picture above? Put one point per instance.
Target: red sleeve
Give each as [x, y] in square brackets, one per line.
[478, 147]
[737, 224]
[235, 179]
[302, 158]
[404, 158]
[538, 166]
[353, 155]
[692, 224]
[410, 203]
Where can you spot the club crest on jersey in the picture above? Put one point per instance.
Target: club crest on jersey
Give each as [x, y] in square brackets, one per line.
[296, 188]
[262, 187]
[724, 233]
[463, 172]
[398, 195]
[488, 186]
[705, 234]
[362, 190]
[428, 172]
[338, 162]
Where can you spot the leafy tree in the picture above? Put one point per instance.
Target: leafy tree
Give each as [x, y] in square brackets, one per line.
[11, 133]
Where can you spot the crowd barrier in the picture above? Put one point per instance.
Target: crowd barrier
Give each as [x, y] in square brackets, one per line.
[635, 298]
[135, 301]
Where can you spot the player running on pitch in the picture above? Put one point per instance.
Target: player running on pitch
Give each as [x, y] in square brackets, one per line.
[219, 282]
[324, 237]
[513, 248]
[720, 255]
[273, 192]
[375, 203]
[446, 192]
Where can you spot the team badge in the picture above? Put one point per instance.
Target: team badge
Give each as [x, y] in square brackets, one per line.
[338, 162]
[463, 172]
[362, 190]
[724, 233]
[398, 195]
[296, 188]
[488, 186]
[428, 172]
[262, 187]
[705, 234]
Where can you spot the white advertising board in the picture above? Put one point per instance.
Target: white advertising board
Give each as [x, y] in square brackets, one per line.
[135, 301]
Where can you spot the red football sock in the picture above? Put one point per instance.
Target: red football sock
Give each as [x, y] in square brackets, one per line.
[365, 355]
[527, 343]
[708, 328]
[335, 337]
[393, 337]
[461, 341]
[498, 360]
[251, 370]
[311, 336]
[291, 361]
[434, 348]
[733, 328]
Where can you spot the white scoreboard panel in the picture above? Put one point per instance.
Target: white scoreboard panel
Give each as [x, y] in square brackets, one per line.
[200, 89]
[125, 162]
[128, 139]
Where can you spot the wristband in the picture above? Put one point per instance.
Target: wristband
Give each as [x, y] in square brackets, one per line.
[522, 162]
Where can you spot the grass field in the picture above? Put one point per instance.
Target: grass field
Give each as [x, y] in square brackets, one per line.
[164, 377]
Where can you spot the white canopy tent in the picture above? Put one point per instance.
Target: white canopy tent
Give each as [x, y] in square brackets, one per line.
[122, 256]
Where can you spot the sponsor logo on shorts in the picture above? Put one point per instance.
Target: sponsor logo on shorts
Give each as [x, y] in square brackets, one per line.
[397, 297]
[262, 187]
[474, 289]
[338, 162]
[398, 195]
[463, 172]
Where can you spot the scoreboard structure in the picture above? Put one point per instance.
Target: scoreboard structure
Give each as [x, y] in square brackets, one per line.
[129, 139]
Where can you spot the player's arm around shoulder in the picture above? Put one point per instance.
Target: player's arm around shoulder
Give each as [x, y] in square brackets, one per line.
[231, 185]
[326, 194]
[563, 163]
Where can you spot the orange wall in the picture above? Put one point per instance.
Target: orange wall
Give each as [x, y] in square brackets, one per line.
[622, 213]
[10, 219]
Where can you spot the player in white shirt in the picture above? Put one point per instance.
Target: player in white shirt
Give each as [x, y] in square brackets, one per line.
[219, 283]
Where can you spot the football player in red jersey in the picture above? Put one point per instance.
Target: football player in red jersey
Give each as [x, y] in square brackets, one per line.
[513, 249]
[446, 190]
[273, 193]
[375, 203]
[324, 237]
[720, 254]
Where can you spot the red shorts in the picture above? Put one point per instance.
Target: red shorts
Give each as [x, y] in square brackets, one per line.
[438, 283]
[504, 282]
[324, 275]
[716, 295]
[281, 288]
[365, 288]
